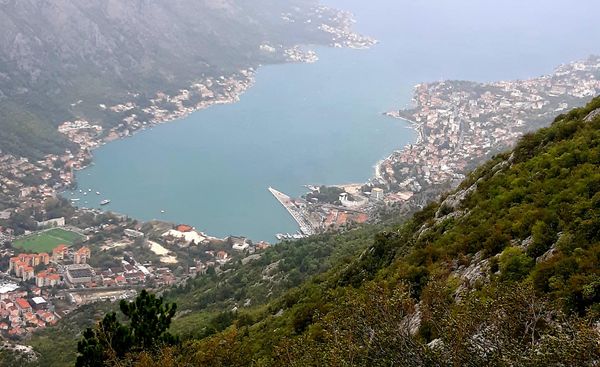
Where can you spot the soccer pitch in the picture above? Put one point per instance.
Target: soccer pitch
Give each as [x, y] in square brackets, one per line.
[47, 240]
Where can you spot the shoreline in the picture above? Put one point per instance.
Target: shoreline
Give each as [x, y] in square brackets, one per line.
[431, 166]
[173, 116]
[461, 123]
[416, 126]
[232, 86]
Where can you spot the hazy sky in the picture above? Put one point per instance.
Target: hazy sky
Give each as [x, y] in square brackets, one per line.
[540, 33]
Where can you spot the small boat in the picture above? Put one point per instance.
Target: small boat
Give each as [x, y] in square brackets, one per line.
[97, 192]
[75, 199]
[105, 202]
[162, 211]
[85, 193]
[89, 190]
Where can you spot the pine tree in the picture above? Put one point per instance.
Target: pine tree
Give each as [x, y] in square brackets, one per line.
[110, 340]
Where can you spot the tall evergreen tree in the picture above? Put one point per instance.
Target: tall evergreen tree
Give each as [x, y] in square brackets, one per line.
[149, 318]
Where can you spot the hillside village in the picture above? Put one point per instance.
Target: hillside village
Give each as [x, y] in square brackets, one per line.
[39, 288]
[459, 124]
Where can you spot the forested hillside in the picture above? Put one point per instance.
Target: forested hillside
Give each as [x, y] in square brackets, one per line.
[61, 59]
[504, 271]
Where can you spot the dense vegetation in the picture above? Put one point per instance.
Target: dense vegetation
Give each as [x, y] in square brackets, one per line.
[110, 340]
[205, 305]
[60, 61]
[503, 271]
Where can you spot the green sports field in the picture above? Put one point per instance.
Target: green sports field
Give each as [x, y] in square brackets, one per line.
[47, 240]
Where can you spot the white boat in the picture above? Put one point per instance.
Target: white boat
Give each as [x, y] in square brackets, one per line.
[97, 192]
[105, 202]
[75, 199]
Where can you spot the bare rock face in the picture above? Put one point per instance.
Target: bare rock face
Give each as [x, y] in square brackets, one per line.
[592, 115]
[477, 271]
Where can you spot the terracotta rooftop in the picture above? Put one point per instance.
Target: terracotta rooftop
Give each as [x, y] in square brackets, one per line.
[184, 228]
[61, 247]
[22, 303]
[83, 250]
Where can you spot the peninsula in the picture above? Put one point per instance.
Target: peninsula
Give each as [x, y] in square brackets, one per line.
[460, 124]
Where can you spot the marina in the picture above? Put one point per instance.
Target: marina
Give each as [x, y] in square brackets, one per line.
[327, 126]
[296, 211]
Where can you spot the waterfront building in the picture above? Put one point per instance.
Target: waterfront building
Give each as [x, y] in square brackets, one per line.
[133, 233]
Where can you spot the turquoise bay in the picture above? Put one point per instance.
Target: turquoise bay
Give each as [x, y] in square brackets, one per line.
[321, 123]
[212, 169]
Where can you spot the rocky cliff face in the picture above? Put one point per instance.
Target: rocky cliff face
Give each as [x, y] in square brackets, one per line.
[55, 53]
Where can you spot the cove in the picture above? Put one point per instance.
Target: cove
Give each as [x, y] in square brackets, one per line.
[321, 123]
[300, 124]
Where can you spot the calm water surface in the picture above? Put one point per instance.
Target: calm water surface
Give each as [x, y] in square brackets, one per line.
[321, 123]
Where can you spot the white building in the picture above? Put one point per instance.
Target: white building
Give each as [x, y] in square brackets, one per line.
[377, 194]
[191, 236]
[55, 222]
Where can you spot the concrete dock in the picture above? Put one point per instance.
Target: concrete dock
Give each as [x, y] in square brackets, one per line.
[296, 212]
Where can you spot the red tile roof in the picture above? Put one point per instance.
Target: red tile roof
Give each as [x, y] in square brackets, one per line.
[60, 248]
[22, 303]
[184, 228]
[83, 250]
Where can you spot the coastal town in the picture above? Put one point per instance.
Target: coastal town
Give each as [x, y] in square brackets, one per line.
[24, 179]
[460, 125]
[318, 213]
[107, 256]
[38, 288]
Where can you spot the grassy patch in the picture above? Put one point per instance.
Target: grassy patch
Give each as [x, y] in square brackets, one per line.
[47, 240]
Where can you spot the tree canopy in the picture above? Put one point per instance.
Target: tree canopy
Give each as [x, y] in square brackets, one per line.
[110, 340]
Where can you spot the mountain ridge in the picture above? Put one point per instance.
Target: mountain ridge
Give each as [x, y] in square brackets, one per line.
[502, 271]
[60, 60]
[509, 261]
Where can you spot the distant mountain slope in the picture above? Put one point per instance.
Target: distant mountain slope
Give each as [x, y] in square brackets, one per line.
[56, 53]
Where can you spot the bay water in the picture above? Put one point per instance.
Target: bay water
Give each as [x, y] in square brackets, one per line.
[322, 123]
